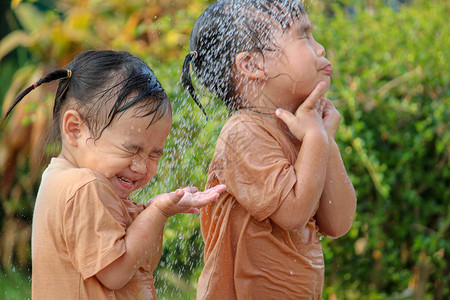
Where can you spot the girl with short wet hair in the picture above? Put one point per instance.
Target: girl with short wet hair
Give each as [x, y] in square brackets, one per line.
[286, 182]
[90, 240]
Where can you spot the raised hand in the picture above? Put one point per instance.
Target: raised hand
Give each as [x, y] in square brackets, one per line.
[331, 118]
[308, 117]
[186, 200]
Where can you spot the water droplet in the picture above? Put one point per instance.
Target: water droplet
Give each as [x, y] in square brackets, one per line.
[331, 181]
[291, 272]
[330, 202]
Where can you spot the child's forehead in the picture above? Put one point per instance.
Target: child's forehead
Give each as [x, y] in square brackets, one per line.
[139, 114]
[284, 13]
[283, 22]
[296, 26]
[303, 22]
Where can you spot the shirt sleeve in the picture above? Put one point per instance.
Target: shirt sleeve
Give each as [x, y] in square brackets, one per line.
[94, 237]
[255, 168]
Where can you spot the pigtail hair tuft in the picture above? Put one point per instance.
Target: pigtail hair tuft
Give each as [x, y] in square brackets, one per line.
[186, 80]
[57, 74]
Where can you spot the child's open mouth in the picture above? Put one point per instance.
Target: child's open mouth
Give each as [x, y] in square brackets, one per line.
[126, 183]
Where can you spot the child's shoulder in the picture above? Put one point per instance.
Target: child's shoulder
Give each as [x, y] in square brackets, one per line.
[249, 128]
[61, 173]
[245, 122]
[63, 184]
[242, 120]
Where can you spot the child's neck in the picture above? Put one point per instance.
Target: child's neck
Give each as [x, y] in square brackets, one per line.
[263, 101]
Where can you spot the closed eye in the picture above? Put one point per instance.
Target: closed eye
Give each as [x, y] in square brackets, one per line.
[305, 31]
[156, 154]
[130, 150]
[138, 152]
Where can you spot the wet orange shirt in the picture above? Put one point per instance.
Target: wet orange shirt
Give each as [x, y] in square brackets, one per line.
[78, 229]
[247, 255]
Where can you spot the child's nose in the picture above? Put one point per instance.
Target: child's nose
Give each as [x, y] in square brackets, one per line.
[139, 165]
[320, 50]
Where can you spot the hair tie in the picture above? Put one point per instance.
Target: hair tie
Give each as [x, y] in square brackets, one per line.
[69, 73]
[34, 85]
[194, 53]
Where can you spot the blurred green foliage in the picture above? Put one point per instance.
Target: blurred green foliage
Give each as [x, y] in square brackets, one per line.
[14, 285]
[392, 88]
[390, 83]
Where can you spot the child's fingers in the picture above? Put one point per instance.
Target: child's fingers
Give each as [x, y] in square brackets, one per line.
[328, 103]
[311, 101]
[178, 193]
[320, 105]
[207, 195]
[329, 108]
[198, 200]
[192, 210]
[188, 199]
[191, 189]
[204, 198]
[286, 117]
[218, 188]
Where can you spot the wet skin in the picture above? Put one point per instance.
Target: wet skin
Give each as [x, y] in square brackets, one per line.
[127, 152]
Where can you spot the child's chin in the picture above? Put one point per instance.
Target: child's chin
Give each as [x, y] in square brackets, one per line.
[327, 80]
[123, 195]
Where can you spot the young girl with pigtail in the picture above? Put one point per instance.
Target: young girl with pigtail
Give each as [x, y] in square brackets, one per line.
[90, 240]
[276, 154]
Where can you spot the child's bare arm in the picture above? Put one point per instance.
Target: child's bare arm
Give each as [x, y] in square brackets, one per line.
[311, 164]
[144, 236]
[338, 202]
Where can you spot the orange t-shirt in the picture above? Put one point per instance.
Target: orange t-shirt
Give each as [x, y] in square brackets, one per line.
[78, 229]
[247, 255]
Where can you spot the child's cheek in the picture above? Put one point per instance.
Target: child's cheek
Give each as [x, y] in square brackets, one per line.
[148, 178]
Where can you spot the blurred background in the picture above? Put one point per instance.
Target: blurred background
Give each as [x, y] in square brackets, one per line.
[390, 82]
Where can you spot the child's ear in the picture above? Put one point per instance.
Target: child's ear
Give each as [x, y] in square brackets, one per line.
[72, 126]
[250, 64]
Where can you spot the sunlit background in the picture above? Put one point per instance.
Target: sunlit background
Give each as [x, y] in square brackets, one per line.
[390, 82]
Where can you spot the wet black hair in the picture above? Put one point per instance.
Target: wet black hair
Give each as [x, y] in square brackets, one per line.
[96, 81]
[227, 28]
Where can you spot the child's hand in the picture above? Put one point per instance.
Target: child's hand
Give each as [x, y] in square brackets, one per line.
[308, 118]
[331, 118]
[186, 200]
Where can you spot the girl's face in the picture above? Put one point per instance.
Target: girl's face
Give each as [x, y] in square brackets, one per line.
[127, 152]
[296, 66]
